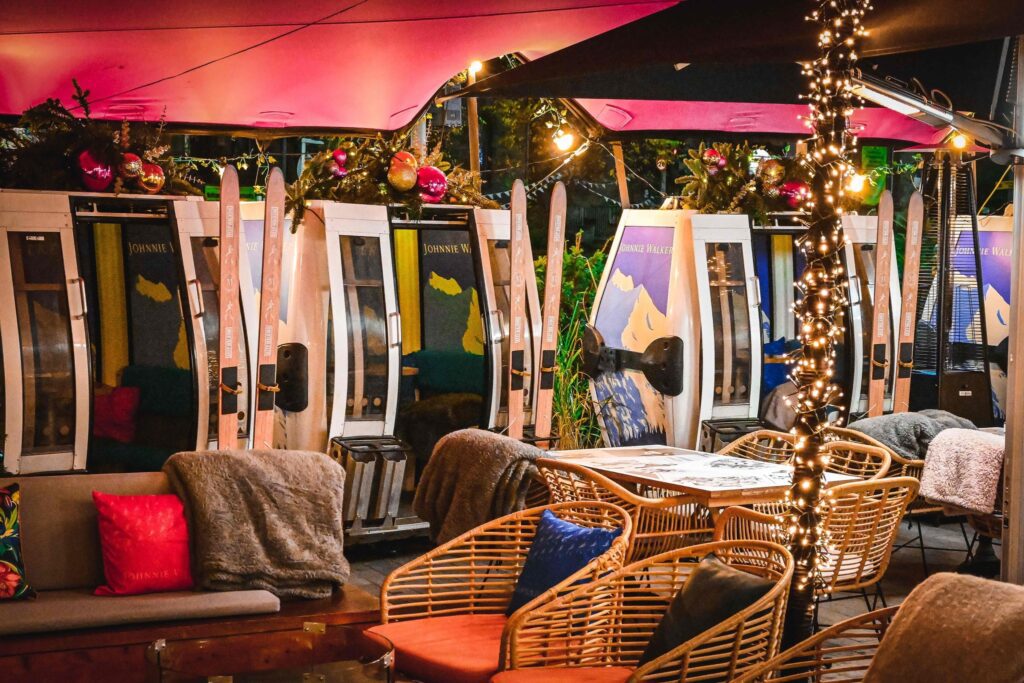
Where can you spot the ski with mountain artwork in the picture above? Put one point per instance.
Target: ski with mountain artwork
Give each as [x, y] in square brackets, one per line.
[270, 302]
[908, 309]
[880, 322]
[517, 310]
[230, 323]
[549, 316]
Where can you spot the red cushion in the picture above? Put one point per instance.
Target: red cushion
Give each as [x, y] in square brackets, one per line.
[145, 544]
[113, 414]
[591, 674]
[459, 649]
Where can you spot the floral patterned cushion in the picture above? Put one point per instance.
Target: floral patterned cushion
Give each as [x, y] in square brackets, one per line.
[12, 571]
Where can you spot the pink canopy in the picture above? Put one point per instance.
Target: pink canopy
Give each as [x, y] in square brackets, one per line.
[629, 116]
[355, 64]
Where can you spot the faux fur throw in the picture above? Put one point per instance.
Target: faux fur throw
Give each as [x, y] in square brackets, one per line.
[954, 629]
[909, 433]
[263, 519]
[963, 469]
[473, 477]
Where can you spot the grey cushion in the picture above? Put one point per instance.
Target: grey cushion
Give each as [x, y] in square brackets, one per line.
[59, 535]
[73, 609]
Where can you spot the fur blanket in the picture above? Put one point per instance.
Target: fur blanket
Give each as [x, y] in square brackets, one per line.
[963, 469]
[954, 629]
[263, 519]
[473, 477]
[909, 434]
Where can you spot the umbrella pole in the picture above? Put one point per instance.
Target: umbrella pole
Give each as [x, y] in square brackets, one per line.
[1013, 469]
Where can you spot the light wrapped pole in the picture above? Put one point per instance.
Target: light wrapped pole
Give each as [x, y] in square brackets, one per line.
[822, 285]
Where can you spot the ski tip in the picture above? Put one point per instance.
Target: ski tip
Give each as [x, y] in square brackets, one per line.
[275, 177]
[228, 175]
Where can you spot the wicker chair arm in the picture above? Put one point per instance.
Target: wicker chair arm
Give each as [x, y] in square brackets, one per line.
[754, 525]
[843, 652]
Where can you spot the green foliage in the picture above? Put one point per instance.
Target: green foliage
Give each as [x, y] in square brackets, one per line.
[715, 188]
[574, 416]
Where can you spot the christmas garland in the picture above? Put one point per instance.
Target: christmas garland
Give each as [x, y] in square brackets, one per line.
[382, 171]
[723, 179]
[49, 148]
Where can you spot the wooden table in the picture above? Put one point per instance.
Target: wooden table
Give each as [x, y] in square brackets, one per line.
[715, 481]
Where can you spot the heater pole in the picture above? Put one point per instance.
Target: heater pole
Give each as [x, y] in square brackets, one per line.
[1013, 468]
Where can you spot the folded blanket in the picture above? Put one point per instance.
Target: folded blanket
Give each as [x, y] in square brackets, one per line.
[954, 629]
[263, 519]
[947, 420]
[963, 469]
[473, 477]
[906, 433]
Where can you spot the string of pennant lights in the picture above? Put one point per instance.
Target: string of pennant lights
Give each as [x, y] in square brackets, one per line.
[822, 285]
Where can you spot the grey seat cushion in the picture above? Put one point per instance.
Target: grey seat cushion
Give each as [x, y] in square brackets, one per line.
[59, 534]
[73, 609]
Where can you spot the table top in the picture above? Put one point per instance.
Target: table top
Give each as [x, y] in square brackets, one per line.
[715, 480]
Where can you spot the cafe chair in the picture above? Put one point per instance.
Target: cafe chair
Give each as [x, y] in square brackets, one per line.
[860, 521]
[766, 445]
[905, 467]
[598, 632]
[445, 611]
[857, 459]
[660, 522]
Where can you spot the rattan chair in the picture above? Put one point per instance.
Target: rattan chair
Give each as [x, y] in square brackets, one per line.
[839, 653]
[660, 522]
[766, 445]
[465, 586]
[861, 520]
[857, 459]
[609, 622]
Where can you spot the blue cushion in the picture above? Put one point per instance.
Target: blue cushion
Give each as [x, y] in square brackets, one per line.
[559, 550]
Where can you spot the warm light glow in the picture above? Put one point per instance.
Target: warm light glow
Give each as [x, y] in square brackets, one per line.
[858, 181]
[475, 67]
[959, 141]
[564, 140]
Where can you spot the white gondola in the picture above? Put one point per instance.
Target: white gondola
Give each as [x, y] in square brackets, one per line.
[648, 291]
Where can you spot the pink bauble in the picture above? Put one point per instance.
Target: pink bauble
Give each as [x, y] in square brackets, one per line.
[336, 169]
[340, 156]
[428, 198]
[432, 181]
[796, 192]
[96, 176]
[722, 163]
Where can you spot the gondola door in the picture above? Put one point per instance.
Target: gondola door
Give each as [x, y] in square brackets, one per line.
[43, 307]
[198, 235]
[729, 317]
[367, 329]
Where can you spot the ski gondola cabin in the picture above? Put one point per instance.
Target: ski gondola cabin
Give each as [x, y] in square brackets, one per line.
[647, 294]
[109, 334]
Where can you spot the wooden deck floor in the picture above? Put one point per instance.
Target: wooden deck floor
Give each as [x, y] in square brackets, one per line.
[371, 563]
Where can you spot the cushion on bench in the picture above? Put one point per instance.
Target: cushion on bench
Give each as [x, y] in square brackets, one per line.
[463, 648]
[73, 609]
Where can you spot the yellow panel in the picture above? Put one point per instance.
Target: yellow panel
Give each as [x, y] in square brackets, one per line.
[112, 301]
[407, 269]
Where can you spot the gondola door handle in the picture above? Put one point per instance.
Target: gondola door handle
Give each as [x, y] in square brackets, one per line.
[199, 307]
[395, 319]
[83, 302]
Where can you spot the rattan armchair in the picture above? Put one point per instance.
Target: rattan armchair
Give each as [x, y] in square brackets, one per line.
[861, 520]
[610, 621]
[660, 523]
[839, 653]
[857, 459]
[766, 445]
[476, 572]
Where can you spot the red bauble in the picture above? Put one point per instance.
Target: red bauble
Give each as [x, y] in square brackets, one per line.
[152, 178]
[711, 157]
[96, 176]
[340, 157]
[795, 192]
[432, 183]
[336, 169]
[404, 157]
[131, 165]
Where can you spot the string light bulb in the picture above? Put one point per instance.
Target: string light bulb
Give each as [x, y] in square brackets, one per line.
[475, 67]
[959, 141]
[564, 140]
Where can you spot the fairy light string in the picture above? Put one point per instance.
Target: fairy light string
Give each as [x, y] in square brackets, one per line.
[822, 286]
